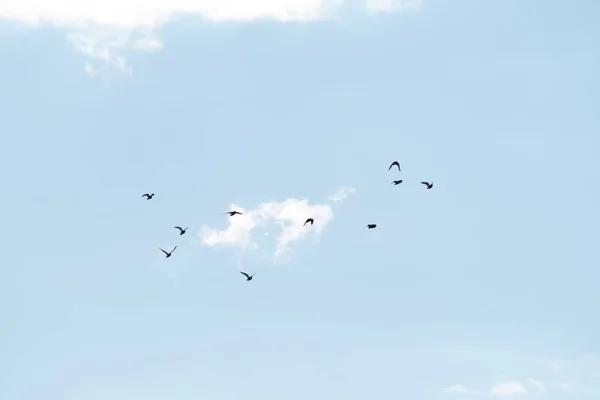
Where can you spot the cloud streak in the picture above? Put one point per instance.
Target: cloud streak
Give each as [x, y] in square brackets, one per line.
[508, 389]
[459, 388]
[101, 30]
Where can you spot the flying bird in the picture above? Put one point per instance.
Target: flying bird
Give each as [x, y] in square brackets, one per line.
[169, 253]
[429, 185]
[312, 221]
[396, 164]
[181, 230]
[371, 226]
[148, 196]
[248, 277]
[232, 213]
[397, 182]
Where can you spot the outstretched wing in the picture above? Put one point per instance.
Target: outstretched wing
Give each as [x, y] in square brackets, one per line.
[245, 274]
[173, 249]
[178, 227]
[396, 164]
[425, 183]
[145, 195]
[164, 251]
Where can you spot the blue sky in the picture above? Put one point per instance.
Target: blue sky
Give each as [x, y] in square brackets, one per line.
[483, 287]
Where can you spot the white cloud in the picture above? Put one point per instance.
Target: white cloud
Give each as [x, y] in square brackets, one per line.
[90, 70]
[508, 388]
[341, 194]
[289, 215]
[392, 5]
[539, 385]
[553, 365]
[101, 29]
[456, 389]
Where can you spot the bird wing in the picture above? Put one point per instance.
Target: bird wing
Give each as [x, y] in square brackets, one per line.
[173, 249]
[394, 163]
[245, 274]
[425, 183]
[145, 195]
[164, 251]
[178, 227]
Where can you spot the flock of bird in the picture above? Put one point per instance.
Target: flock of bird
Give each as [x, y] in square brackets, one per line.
[311, 221]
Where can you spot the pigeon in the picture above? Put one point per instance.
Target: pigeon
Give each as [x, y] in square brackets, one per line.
[312, 221]
[397, 182]
[232, 213]
[169, 253]
[181, 230]
[148, 196]
[396, 164]
[371, 226]
[248, 277]
[429, 185]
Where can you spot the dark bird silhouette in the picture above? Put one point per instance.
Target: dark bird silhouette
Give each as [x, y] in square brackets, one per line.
[397, 182]
[232, 213]
[312, 221]
[181, 230]
[248, 277]
[429, 185]
[396, 164]
[371, 226]
[148, 196]
[169, 253]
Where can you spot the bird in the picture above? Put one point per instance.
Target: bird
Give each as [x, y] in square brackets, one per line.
[248, 277]
[148, 196]
[181, 231]
[169, 253]
[429, 185]
[312, 221]
[397, 182]
[371, 226]
[396, 164]
[232, 213]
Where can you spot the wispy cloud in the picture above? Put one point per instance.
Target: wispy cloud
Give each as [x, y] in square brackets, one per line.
[537, 384]
[287, 217]
[508, 388]
[101, 30]
[341, 194]
[458, 388]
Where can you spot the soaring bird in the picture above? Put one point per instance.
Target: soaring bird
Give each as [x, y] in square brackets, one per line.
[148, 196]
[312, 221]
[396, 164]
[429, 185]
[232, 213]
[169, 253]
[181, 230]
[248, 277]
[397, 182]
[371, 226]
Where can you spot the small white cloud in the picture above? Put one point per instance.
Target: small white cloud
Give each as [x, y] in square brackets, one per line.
[456, 389]
[90, 70]
[508, 388]
[392, 5]
[289, 215]
[538, 385]
[553, 365]
[341, 194]
[101, 29]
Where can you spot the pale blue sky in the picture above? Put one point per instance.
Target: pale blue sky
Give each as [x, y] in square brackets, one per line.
[487, 279]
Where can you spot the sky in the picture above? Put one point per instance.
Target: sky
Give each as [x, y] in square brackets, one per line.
[484, 287]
